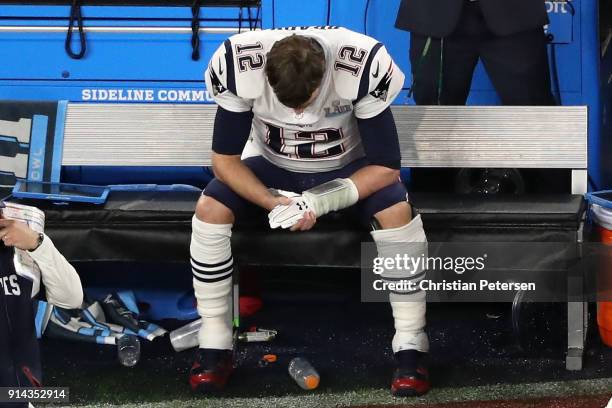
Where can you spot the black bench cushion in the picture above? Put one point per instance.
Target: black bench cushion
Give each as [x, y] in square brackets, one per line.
[156, 226]
[555, 210]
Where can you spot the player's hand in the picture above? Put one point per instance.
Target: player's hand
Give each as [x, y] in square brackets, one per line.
[279, 197]
[306, 223]
[17, 234]
[293, 215]
[278, 201]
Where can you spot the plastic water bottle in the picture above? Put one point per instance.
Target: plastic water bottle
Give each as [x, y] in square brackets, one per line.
[128, 350]
[186, 337]
[304, 373]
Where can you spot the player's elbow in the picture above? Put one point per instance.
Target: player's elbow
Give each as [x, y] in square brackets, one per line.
[389, 173]
[393, 173]
[67, 298]
[72, 292]
[381, 176]
[394, 176]
[76, 299]
[222, 165]
[220, 173]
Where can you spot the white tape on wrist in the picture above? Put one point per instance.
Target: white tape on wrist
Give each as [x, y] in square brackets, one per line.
[332, 196]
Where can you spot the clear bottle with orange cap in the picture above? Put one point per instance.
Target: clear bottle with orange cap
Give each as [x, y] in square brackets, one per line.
[304, 373]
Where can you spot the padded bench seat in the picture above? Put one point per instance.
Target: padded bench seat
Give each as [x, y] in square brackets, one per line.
[156, 226]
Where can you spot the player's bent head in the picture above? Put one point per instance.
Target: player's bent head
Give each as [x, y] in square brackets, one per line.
[295, 67]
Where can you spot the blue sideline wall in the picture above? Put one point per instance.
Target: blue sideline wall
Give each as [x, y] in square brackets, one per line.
[155, 66]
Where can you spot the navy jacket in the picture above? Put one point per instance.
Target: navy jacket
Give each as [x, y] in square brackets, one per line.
[19, 353]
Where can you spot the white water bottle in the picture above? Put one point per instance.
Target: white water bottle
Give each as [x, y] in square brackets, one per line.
[128, 350]
[186, 337]
[304, 373]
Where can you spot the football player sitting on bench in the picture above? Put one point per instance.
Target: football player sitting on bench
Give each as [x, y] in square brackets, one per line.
[316, 102]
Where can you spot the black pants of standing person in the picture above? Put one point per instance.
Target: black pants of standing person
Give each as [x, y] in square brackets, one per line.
[517, 64]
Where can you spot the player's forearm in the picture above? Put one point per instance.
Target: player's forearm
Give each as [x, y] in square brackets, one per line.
[231, 171]
[333, 195]
[370, 179]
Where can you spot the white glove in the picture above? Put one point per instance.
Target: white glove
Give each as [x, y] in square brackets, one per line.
[286, 216]
[331, 196]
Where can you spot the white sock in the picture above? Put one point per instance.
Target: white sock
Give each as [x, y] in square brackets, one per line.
[408, 307]
[212, 267]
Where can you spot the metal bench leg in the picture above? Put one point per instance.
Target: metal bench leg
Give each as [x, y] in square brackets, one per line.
[577, 311]
[576, 334]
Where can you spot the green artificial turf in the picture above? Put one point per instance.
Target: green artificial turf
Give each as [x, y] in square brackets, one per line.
[363, 397]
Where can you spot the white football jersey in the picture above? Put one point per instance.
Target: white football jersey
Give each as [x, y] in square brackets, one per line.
[360, 81]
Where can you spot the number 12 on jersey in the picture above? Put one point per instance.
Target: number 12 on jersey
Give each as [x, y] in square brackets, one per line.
[305, 145]
[248, 57]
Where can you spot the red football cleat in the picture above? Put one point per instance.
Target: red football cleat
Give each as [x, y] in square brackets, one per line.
[211, 370]
[411, 378]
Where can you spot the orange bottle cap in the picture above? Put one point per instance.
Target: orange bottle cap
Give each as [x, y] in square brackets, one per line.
[311, 381]
[270, 358]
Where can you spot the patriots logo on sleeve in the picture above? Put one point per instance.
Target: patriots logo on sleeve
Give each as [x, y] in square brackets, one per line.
[218, 87]
[382, 89]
